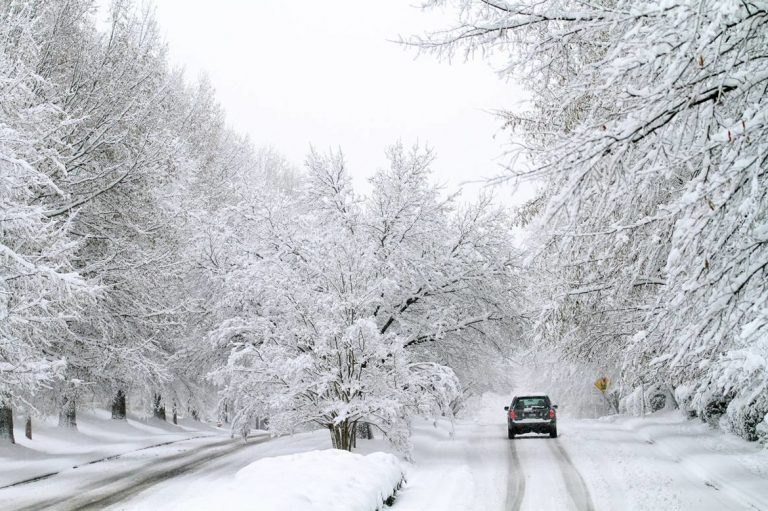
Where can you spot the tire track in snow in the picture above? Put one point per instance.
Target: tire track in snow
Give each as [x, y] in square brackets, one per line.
[515, 482]
[98, 494]
[103, 501]
[99, 460]
[574, 483]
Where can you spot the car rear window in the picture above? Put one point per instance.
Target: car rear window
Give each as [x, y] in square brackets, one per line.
[531, 402]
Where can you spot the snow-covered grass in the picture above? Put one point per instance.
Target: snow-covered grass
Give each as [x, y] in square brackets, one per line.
[97, 436]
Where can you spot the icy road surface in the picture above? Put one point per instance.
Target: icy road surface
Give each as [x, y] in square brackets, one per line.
[660, 462]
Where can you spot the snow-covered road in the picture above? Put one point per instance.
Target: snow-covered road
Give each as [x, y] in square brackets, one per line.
[660, 462]
[99, 485]
[480, 469]
[542, 465]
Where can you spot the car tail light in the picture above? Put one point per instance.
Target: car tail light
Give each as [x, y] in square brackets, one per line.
[512, 415]
[551, 413]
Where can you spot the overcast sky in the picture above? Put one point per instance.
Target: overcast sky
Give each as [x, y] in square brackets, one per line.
[327, 73]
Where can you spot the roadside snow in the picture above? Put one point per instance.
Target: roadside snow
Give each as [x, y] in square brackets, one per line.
[97, 436]
[466, 472]
[665, 461]
[215, 475]
[661, 461]
[326, 480]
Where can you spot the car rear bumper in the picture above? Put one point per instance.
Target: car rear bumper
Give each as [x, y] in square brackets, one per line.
[539, 426]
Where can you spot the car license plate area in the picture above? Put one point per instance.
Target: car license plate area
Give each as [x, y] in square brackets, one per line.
[533, 413]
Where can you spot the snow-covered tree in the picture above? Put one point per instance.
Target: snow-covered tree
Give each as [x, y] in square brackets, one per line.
[648, 129]
[350, 310]
[116, 94]
[93, 124]
[41, 292]
[115, 174]
[221, 178]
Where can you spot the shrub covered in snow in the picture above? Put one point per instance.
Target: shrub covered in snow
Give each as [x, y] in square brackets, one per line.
[328, 480]
[743, 374]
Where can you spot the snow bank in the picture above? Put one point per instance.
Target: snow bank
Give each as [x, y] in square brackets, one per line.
[327, 480]
[666, 461]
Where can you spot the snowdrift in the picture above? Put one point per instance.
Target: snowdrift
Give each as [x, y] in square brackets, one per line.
[327, 480]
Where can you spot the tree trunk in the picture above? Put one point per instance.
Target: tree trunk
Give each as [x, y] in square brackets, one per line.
[175, 415]
[342, 435]
[68, 412]
[118, 406]
[158, 408]
[6, 424]
[364, 431]
[335, 439]
[28, 428]
[671, 396]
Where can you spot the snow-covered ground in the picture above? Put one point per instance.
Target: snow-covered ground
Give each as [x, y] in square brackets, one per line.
[664, 461]
[317, 480]
[53, 449]
[216, 476]
[660, 462]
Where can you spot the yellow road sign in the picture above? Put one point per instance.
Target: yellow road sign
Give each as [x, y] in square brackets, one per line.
[602, 384]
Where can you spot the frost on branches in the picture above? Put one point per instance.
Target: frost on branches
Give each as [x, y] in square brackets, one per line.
[40, 291]
[98, 166]
[351, 310]
[648, 129]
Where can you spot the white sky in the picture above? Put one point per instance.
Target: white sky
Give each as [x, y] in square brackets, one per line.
[301, 72]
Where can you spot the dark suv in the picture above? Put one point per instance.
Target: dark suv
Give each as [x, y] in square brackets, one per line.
[531, 414]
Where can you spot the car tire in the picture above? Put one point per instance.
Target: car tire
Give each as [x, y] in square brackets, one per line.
[510, 433]
[553, 432]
